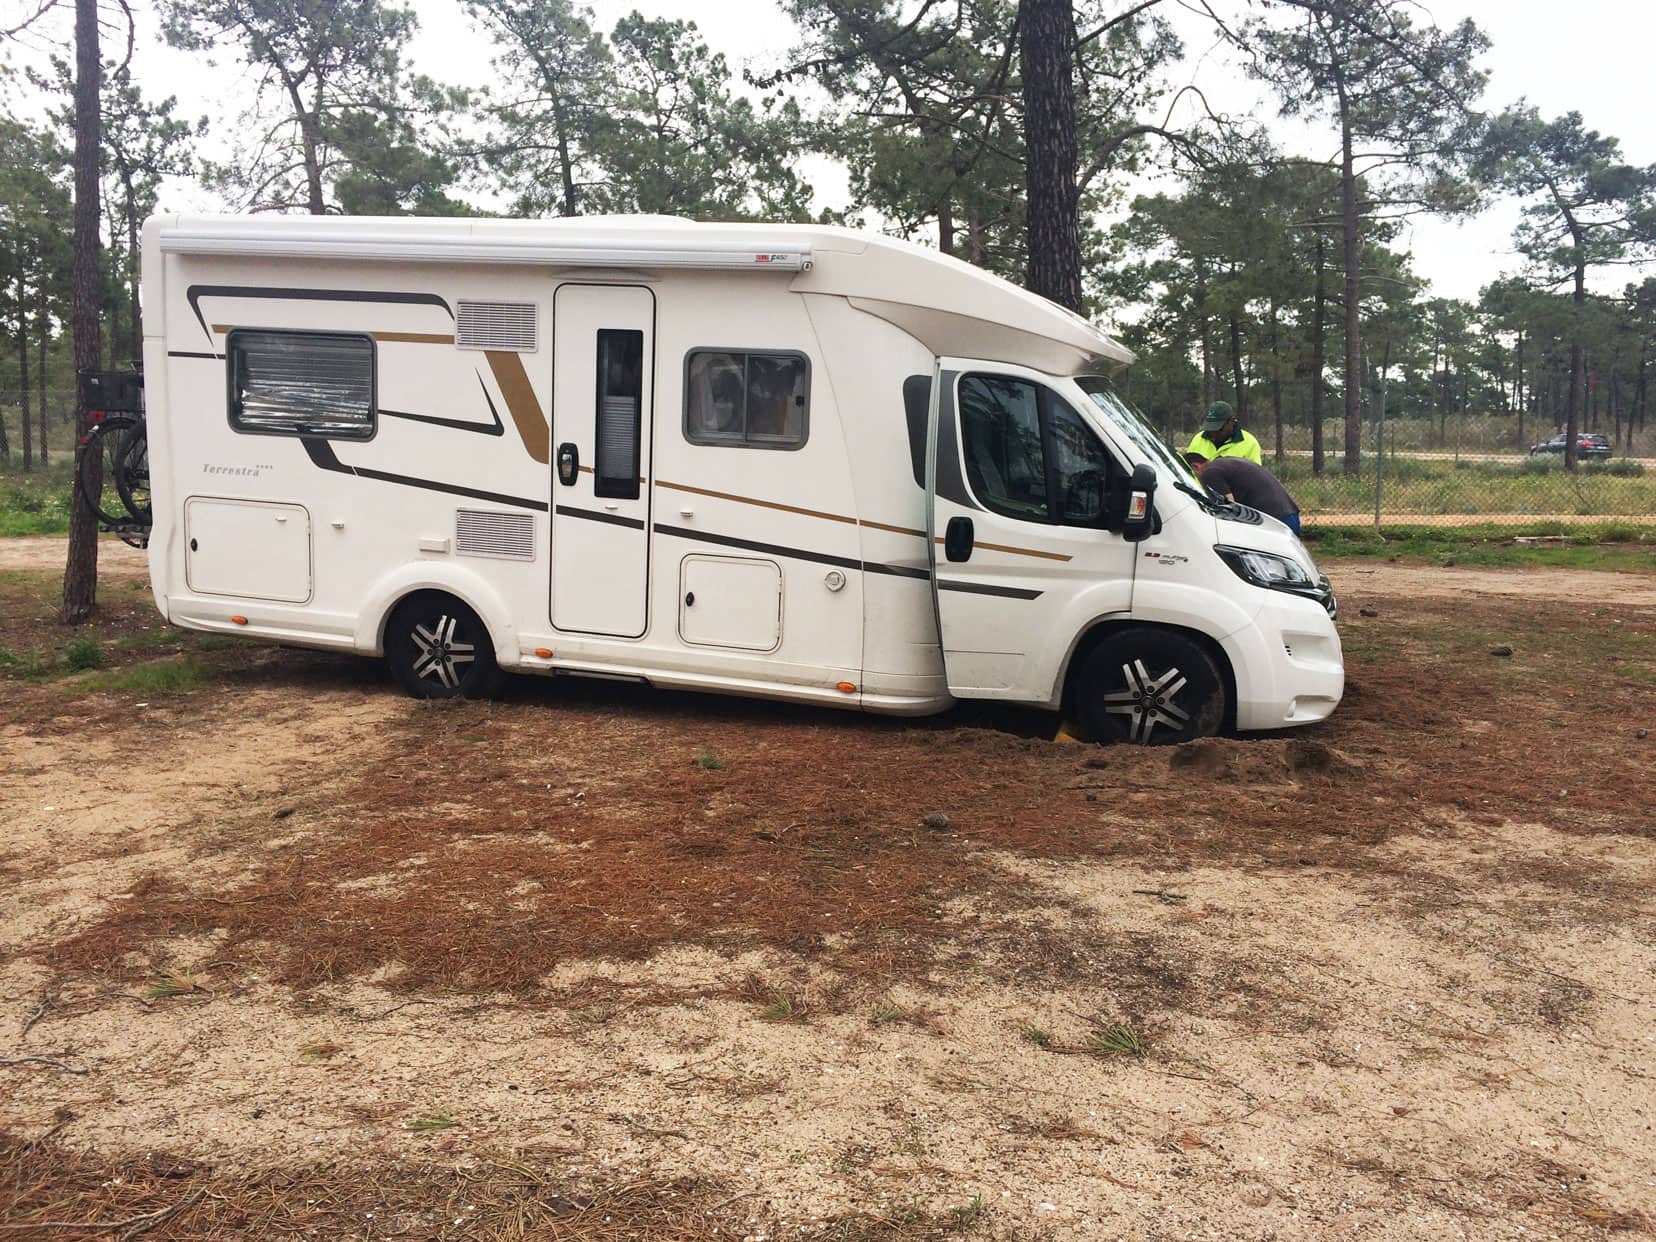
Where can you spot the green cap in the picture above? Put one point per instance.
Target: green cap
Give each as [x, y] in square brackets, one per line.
[1218, 414]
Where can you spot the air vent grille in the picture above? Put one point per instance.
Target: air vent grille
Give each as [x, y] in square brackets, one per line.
[483, 532]
[512, 326]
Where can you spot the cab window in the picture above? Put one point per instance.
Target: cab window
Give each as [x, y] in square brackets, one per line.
[1029, 456]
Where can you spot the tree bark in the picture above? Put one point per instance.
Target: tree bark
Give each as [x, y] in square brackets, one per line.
[945, 227]
[1052, 219]
[1353, 307]
[27, 438]
[135, 316]
[1572, 413]
[80, 574]
[1518, 387]
[1236, 368]
[1319, 360]
[1276, 384]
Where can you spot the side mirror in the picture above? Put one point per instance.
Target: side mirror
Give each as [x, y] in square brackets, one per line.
[1140, 518]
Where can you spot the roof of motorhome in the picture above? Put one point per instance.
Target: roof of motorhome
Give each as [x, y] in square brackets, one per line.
[953, 308]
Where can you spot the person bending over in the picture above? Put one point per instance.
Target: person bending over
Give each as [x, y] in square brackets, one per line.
[1248, 484]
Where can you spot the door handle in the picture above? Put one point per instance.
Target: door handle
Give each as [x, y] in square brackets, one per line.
[957, 539]
[569, 463]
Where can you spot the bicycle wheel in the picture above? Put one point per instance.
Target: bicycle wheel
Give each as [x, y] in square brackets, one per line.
[132, 476]
[99, 462]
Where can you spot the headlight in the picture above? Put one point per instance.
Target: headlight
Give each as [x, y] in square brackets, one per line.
[1266, 569]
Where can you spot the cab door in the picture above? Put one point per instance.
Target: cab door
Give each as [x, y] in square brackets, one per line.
[1019, 484]
[603, 376]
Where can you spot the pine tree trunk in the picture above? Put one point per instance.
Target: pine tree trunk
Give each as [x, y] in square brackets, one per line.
[23, 369]
[135, 314]
[1053, 226]
[1572, 413]
[1319, 360]
[1518, 388]
[945, 227]
[1353, 307]
[1236, 369]
[80, 574]
[1276, 384]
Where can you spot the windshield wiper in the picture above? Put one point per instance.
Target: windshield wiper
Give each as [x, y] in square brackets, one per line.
[1205, 498]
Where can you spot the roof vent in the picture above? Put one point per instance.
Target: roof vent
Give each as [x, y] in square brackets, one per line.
[509, 326]
[488, 532]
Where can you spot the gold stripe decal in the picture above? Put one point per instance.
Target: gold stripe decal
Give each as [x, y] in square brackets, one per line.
[522, 403]
[395, 338]
[838, 517]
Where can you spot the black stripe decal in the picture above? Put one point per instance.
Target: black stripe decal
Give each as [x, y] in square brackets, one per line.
[186, 353]
[798, 554]
[985, 588]
[592, 515]
[495, 428]
[322, 454]
[196, 292]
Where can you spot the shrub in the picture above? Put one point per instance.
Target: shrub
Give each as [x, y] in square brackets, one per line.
[83, 653]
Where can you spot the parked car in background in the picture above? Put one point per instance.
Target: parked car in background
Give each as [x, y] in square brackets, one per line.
[1588, 444]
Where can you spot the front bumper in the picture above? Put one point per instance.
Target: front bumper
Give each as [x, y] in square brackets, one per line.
[1288, 664]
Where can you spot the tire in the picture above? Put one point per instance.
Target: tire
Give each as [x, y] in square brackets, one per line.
[1149, 686]
[438, 648]
[132, 475]
[104, 445]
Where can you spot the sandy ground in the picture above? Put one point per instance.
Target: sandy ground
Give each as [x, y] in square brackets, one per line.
[1443, 1032]
[46, 552]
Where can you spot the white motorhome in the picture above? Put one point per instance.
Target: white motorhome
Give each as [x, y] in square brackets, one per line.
[778, 460]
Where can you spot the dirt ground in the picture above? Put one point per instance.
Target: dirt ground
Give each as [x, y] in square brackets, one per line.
[283, 953]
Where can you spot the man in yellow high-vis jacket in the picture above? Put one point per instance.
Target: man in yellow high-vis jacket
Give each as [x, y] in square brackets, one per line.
[1221, 436]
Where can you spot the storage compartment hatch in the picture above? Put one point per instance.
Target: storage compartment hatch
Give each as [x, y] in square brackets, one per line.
[249, 549]
[729, 601]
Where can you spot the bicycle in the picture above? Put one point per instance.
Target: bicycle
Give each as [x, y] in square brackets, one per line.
[112, 476]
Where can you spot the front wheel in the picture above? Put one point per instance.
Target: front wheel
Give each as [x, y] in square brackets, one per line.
[1151, 687]
[438, 648]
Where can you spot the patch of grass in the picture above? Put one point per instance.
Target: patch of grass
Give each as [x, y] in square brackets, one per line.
[1624, 548]
[780, 1008]
[83, 653]
[156, 677]
[1116, 1040]
[147, 640]
[172, 985]
[967, 1215]
[708, 761]
[1036, 1035]
[37, 503]
[26, 666]
[887, 1011]
[429, 1123]
[319, 1050]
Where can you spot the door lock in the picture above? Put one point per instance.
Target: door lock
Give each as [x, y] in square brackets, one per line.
[569, 463]
[689, 599]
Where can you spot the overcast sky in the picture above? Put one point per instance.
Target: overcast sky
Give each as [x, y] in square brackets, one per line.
[1591, 56]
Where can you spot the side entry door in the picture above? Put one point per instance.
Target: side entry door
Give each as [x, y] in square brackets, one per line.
[603, 391]
[1019, 492]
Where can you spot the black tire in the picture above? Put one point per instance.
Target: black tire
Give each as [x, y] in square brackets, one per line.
[1148, 685]
[132, 475]
[102, 456]
[438, 648]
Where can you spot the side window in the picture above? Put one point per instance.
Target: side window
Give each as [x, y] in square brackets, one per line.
[1082, 468]
[302, 383]
[1029, 456]
[747, 398]
[620, 419]
[1000, 432]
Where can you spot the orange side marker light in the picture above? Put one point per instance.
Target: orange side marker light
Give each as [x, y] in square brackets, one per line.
[846, 687]
[544, 653]
[239, 620]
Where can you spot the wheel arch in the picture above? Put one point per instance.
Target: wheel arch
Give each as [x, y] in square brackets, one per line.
[1097, 634]
[469, 588]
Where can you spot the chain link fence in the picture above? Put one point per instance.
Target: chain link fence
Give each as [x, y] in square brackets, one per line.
[1460, 470]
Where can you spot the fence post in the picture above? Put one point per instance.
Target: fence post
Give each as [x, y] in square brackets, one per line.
[1380, 443]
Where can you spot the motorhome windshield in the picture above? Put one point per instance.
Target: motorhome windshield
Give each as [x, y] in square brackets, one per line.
[1125, 419]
